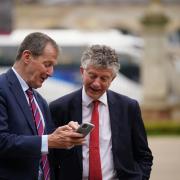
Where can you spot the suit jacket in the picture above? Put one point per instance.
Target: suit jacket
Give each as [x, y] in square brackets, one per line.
[20, 146]
[131, 154]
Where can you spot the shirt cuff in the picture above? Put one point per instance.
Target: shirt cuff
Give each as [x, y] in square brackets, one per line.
[44, 144]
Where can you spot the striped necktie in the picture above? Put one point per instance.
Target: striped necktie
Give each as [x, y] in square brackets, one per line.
[94, 150]
[40, 130]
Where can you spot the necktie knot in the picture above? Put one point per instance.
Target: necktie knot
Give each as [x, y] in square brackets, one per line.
[96, 103]
[29, 92]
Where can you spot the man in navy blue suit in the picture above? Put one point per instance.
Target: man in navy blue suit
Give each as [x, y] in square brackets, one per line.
[21, 148]
[124, 151]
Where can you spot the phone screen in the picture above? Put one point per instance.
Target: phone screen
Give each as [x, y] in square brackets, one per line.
[85, 128]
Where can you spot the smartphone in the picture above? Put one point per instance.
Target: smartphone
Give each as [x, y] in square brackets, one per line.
[85, 128]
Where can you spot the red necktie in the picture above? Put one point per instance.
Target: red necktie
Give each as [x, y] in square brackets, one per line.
[94, 151]
[40, 130]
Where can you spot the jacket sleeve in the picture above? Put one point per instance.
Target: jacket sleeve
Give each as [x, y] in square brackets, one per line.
[142, 153]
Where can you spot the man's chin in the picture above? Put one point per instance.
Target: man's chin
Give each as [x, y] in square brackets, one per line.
[40, 85]
[94, 96]
[37, 86]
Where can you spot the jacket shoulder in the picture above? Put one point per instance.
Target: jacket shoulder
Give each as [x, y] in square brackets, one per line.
[120, 97]
[67, 98]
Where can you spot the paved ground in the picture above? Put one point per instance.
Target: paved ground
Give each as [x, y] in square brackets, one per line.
[166, 152]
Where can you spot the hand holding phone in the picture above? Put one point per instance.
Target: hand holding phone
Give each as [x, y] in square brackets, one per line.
[85, 128]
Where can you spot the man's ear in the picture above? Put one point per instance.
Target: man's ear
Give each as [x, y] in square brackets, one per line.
[26, 55]
[81, 70]
[114, 77]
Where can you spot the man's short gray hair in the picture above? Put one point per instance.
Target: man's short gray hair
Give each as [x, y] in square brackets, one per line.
[100, 56]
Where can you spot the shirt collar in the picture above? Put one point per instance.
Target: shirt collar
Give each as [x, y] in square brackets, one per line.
[86, 100]
[21, 80]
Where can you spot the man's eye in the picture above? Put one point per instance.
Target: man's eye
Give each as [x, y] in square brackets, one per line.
[47, 64]
[92, 76]
[103, 79]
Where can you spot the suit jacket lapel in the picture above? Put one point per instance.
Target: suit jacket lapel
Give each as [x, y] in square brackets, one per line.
[76, 111]
[16, 89]
[76, 114]
[114, 113]
[117, 125]
[47, 119]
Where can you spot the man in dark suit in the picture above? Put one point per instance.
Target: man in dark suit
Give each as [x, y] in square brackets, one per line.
[122, 151]
[22, 144]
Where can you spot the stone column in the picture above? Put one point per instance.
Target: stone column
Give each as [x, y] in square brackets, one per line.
[6, 16]
[155, 85]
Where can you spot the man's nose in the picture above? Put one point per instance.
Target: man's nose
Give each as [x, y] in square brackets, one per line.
[50, 71]
[97, 82]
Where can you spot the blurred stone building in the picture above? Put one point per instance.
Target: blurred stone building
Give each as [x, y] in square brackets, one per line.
[94, 1]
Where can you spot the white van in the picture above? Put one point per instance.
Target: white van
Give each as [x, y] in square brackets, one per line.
[72, 43]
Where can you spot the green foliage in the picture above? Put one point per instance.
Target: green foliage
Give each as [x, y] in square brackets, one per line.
[160, 127]
[155, 20]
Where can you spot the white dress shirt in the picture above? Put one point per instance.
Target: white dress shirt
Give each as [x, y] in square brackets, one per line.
[105, 139]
